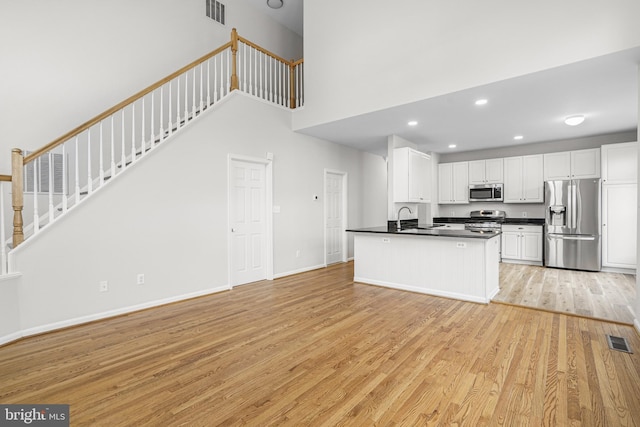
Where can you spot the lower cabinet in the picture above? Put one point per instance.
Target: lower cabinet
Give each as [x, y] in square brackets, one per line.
[522, 243]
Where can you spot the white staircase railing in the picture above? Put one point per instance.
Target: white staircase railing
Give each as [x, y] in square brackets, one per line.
[60, 175]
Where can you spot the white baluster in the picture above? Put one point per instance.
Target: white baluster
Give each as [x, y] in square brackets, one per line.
[133, 132]
[123, 155]
[51, 208]
[244, 67]
[65, 192]
[36, 184]
[186, 98]
[209, 83]
[261, 82]
[271, 79]
[215, 79]
[201, 106]
[170, 107]
[193, 95]
[251, 51]
[77, 163]
[143, 126]
[89, 178]
[178, 113]
[153, 117]
[162, 113]
[228, 82]
[101, 158]
[113, 148]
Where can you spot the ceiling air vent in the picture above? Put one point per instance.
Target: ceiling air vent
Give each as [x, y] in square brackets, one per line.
[215, 11]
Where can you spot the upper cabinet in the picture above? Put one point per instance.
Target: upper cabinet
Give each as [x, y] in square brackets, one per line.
[489, 171]
[620, 163]
[577, 164]
[453, 183]
[523, 181]
[411, 176]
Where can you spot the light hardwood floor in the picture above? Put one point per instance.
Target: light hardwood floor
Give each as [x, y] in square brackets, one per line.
[608, 296]
[316, 349]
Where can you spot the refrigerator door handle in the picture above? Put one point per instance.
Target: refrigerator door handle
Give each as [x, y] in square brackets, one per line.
[567, 237]
[574, 205]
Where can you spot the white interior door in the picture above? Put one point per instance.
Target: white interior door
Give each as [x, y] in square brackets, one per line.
[248, 222]
[335, 245]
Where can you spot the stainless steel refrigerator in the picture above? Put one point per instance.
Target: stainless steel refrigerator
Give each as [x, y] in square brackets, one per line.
[572, 226]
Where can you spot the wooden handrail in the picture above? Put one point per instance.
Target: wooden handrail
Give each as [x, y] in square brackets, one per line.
[97, 119]
[263, 50]
[6, 178]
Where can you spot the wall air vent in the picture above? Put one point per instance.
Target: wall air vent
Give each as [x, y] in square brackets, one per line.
[43, 174]
[215, 11]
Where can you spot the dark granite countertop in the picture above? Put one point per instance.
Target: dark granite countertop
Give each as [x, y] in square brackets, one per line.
[464, 220]
[428, 230]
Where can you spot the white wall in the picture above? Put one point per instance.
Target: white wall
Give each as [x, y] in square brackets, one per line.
[65, 61]
[167, 218]
[637, 307]
[378, 54]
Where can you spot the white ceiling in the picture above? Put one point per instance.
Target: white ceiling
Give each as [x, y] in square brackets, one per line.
[604, 90]
[289, 15]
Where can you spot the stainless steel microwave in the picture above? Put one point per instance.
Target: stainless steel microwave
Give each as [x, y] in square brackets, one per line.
[485, 193]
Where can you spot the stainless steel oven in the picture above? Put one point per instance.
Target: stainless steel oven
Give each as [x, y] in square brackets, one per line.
[485, 193]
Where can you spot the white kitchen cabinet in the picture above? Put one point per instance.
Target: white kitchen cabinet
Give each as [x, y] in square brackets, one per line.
[489, 171]
[577, 164]
[619, 205]
[620, 163]
[522, 243]
[453, 183]
[523, 181]
[411, 172]
[619, 225]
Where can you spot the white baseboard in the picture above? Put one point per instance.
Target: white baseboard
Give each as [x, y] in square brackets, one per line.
[11, 337]
[106, 314]
[302, 270]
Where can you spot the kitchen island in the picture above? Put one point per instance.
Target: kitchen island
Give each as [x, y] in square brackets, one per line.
[460, 264]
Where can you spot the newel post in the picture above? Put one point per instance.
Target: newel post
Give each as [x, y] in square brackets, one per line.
[292, 85]
[234, 61]
[17, 188]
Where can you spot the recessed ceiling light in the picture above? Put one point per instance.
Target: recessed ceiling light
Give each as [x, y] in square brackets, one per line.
[574, 120]
[518, 137]
[452, 145]
[481, 101]
[412, 123]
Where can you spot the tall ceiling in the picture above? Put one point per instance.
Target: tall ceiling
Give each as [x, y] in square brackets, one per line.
[534, 106]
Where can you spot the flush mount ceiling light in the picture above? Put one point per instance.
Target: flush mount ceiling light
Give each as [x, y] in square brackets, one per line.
[574, 120]
[452, 145]
[412, 123]
[275, 4]
[481, 102]
[518, 137]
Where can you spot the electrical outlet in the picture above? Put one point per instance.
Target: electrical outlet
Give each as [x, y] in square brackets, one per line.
[524, 214]
[453, 213]
[140, 279]
[103, 286]
[298, 253]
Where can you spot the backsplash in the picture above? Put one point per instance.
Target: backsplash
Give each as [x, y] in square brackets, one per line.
[513, 210]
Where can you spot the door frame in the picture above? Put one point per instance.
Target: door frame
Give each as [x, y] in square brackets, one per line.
[268, 210]
[345, 210]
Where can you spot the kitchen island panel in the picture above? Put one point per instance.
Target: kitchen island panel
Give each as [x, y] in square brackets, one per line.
[465, 269]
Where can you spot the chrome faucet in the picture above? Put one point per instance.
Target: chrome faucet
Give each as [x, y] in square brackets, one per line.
[398, 224]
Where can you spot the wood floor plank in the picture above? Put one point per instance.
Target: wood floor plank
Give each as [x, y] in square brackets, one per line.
[317, 349]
